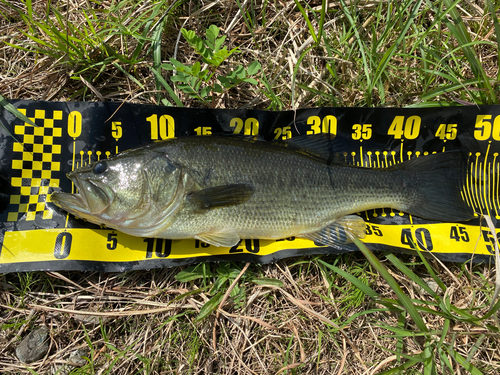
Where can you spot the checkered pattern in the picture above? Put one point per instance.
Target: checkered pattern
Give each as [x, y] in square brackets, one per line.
[34, 161]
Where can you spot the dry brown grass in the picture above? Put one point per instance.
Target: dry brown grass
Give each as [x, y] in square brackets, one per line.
[119, 318]
[145, 322]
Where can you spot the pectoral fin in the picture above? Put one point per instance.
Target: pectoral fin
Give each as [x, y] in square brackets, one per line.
[224, 238]
[221, 196]
[335, 234]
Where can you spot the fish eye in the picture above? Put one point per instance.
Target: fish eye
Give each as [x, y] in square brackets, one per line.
[100, 167]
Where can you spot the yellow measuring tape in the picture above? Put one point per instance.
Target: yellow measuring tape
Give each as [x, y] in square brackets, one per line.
[36, 235]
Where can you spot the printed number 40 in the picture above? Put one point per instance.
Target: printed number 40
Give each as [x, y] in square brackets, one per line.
[409, 128]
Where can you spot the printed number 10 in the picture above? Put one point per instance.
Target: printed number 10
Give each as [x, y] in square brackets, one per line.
[162, 128]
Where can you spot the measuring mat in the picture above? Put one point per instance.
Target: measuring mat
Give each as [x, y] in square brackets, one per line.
[36, 235]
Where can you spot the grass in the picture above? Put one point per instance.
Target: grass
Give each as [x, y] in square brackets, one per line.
[351, 314]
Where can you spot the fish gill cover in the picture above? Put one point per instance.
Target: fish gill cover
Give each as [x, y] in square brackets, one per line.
[37, 235]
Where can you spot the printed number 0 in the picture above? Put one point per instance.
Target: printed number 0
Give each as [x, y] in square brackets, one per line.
[63, 245]
[74, 124]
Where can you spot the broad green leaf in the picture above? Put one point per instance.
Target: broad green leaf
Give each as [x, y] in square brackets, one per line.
[205, 91]
[253, 81]
[188, 34]
[224, 81]
[179, 78]
[219, 42]
[218, 88]
[192, 273]
[253, 68]
[195, 69]
[185, 88]
[167, 66]
[211, 305]
[240, 72]
[212, 33]
[176, 63]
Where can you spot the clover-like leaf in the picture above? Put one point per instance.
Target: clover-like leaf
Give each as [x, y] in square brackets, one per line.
[253, 68]
[240, 72]
[219, 42]
[167, 66]
[212, 33]
[205, 91]
[218, 88]
[225, 81]
[251, 80]
[176, 63]
[195, 69]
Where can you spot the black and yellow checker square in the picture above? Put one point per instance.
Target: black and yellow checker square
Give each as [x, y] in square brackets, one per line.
[35, 160]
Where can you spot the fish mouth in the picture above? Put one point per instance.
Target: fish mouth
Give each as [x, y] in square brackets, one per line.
[93, 197]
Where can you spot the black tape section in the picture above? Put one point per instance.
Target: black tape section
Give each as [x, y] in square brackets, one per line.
[74, 134]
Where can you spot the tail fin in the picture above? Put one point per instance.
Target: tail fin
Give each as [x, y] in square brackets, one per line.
[438, 180]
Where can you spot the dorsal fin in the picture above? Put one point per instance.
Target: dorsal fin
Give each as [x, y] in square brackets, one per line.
[324, 146]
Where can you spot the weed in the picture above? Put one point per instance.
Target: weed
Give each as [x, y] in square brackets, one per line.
[202, 83]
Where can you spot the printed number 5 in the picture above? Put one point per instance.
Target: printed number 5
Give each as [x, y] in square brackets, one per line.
[116, 129]
[112, 241]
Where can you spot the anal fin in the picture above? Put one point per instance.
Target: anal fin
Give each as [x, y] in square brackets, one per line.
[223, 238]
[336, 233]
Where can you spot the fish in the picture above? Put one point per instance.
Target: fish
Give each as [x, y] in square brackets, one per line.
[221, 189]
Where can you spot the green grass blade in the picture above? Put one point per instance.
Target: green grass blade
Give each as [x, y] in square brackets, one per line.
[496, 23]
[295, 71]
[392, 50]
[460, 32]
[156, 47]
[352, 279]
[308, 21]
[411, 275]
[399, 370]
[354, 27]
[9, 107]
[463, 362]
[117, 66]
[167, 87]
[404, 300]
[322, 19]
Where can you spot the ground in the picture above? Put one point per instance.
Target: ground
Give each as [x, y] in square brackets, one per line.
[320, 315]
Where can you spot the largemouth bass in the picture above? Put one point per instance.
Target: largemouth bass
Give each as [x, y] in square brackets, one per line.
[222, 189]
